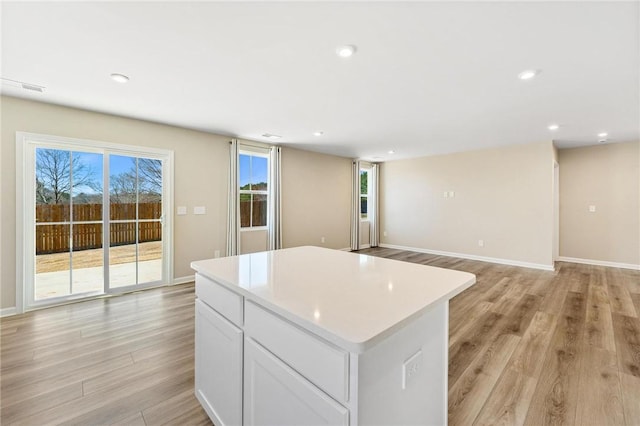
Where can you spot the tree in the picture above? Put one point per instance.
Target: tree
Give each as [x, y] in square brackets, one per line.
[123, 187]
[54, 175]
[150, 175]
[145, 186]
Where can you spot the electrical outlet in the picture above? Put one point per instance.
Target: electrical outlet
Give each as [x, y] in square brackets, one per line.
[322, 240]
[384, 233]
[592, 209]
[216, 254]
[481, 243]
[411, 368]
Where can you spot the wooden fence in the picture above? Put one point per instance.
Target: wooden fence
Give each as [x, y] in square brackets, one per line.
[56, 238]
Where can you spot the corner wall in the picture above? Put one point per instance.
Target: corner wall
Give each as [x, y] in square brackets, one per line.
[502, 196]
[607, 177]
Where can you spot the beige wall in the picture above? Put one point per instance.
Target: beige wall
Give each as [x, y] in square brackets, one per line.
[502, 196]
[316, 193]
[607, 177]
[200, 164]
[253, 241]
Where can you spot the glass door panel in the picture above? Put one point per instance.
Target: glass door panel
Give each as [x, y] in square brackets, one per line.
[87, 254]
[53, 261]
[136, 221]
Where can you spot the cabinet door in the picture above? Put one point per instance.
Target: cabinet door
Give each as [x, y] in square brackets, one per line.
[274, 394]
[218, 366]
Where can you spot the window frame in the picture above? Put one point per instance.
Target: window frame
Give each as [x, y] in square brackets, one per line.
[254, 153]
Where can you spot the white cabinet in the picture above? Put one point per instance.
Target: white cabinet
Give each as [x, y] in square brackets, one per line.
[275, 394]
[218, 381]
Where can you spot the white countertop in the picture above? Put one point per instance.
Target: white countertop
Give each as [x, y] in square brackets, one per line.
[350, 299]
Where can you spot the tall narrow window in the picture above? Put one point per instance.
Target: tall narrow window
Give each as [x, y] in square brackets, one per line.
[364, 194]
[253, 190]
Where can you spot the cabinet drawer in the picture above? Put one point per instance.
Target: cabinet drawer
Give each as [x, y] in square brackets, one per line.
[319, 361]
[225, 302]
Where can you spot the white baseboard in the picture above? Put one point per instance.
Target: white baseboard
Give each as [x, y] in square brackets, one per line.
[345, 249]
[599, 263]
[7, 312]
[183, 280]
[473, 257]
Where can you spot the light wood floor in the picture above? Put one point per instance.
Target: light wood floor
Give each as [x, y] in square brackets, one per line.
[539, 348]
[526, 347]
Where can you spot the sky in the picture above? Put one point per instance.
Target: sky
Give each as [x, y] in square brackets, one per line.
[253, 169]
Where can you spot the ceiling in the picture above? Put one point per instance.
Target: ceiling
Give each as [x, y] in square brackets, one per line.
[427, 77]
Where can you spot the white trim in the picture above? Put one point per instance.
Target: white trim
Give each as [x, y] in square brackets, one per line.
[345, 249]
[599, 263]
[183, 280]
[7, 312]
[474, 257]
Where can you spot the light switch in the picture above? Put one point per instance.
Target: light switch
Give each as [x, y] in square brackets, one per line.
[592, 209]
[199, 210]
[181, 210]
[446, 194]
[452, 194]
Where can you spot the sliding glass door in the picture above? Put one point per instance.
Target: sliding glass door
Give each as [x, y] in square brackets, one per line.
[95, 221]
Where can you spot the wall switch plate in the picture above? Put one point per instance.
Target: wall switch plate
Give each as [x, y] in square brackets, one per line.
[181, 210]
[452, 194]
[446, 194]
[592, 209]
[199, 210]
[411, 368]
[480, 243]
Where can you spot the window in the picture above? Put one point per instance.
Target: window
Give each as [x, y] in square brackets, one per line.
[364, 194]
[254, 189]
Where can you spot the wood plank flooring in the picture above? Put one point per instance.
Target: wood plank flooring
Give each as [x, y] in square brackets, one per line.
[530, 347]
[526, 347]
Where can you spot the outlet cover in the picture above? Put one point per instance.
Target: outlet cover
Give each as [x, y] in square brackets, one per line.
[181, 210]
[592, 209]
[199, 210]
[411, 368]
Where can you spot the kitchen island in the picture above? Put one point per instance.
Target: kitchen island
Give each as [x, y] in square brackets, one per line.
[310, 336]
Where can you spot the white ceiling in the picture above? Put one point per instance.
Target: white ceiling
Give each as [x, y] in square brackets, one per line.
[427, 78]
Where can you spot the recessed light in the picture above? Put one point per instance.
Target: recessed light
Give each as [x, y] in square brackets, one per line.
[391, 151]
[120, 78]
[318, 133]
[528, 74]
[553, 127]
[270, 135]
[346, 51]
[603, 135]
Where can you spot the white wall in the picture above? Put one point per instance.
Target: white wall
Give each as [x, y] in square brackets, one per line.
[607, 177]
[502, 196]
